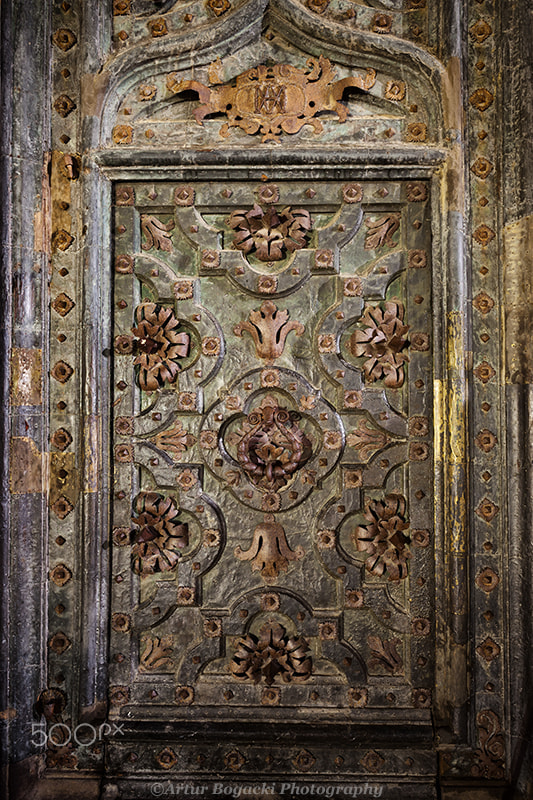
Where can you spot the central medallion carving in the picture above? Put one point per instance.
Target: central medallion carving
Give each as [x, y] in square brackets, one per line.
[271, 654]
[275, 99]
[273, 446]
[269, 328]
[270, 234]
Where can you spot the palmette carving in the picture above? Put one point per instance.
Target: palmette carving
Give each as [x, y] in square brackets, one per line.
[269, 328]
[270, 655]
[161, 344]
[380, 232]
[270, 234]
[156, 233]
[160, 534]
[275, 99]
[269, 552]
[381, 343]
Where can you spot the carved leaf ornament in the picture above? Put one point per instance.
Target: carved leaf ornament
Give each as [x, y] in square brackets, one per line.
[269, 327]
[160, 535]
[270, 655]
[275, 99]
[269, 552]
[383, 538]
[381, 342]
[160, 346]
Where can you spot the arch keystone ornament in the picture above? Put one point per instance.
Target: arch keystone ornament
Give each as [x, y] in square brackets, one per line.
[275, 99]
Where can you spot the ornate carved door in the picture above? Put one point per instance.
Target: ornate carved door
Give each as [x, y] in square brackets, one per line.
[272, 522]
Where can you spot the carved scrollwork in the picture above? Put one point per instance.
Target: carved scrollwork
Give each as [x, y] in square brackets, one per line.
[270, 655]
[275, 99]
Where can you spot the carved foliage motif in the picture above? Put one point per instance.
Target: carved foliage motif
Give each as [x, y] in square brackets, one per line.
[383, 538]
[384, 653]
[270, 234]
[270, 655]
[490, 756]
[160, 345]
[269, 552]
[381, 343]
[276, 99]
[156, 233]
[160, 534]
[380, 231]
[367, 440]
[269, 328]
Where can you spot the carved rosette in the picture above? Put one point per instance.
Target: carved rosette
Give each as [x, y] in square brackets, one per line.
[159, 536]
[161, 345]
[271, 655]
[383, 538]
[381, 343]
[269, 234]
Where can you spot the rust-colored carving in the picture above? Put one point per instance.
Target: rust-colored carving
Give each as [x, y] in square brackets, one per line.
[62, 304]
[323, 259]
[218, 7]
[184, 196]
[122, 134]
[381, 343]
[418, 426]
[155, 653]
[487, 510]
[270, 655]
[420, 626]
[482, 167]
[183, 290]
[303, 761]
[121, 7]
[121, 623]
[417, 259]
[184, 695]
[483, 303]
[186, 479]
[174, 440]
[59, 642]
[271, 696]
[270, 234]
[489, 650]
[383, 538]
[486, 440]
[417, 132]
[484, 235]
[62, 507]
[147, 91]
[167, 758]
[61, 240]
[490, 756]
[234, 760]
[481, 99]
[421, 698]
[269, 328]
[395, 90]
[382, 23]
[487, 579]
[156, 233]
[64, 105]
[418, 451]
[352, 193]
[276, 99]
[125, 196]
[357, 698]
[124, 426]
[185, 596]
[318, 6]
[186, 401]
[372, 761]
[367, 439]
[158, 27]
[159, 536]
[480, 31]
[61, 439]
[213, 627]
[416, 192]
[60, 574]
[269, 552]
[484, 372]
[211, 346]
[64, 39]
[161, 343]
[273, 446]
[384, 653]
[380, 231]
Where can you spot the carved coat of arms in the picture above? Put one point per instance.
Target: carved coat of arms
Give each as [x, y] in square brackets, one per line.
[275, 99]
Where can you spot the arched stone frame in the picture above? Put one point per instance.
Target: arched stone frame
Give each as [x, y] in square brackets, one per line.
[453, 306]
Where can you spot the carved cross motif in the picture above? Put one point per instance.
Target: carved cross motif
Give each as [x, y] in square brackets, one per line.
[269, 328]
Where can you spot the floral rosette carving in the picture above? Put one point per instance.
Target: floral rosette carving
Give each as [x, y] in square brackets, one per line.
[270, 234]
[270, 655]
[273, 446]
[160, 346]
[381, 343]
[383, 538]
[159, 536]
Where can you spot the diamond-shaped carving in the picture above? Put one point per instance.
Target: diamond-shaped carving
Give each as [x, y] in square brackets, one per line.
[484, 235]
[61, 371]
[63, 304]
[61, 439]
[64, 105]
[62, 507]
[484, 372]
[59, 643]
[480, 31]
[482, 167]
[486, 440]
[489, 650]
[372, 761]
[64, 39]
[60, 574]
[487, 579]
[487, 510]
[483, 302]
[304, 761]
[481, 99]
